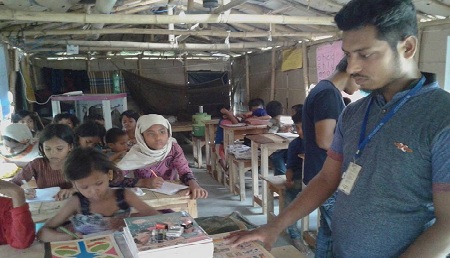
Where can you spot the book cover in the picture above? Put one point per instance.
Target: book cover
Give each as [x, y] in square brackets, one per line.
[100, 246]
[147, 234]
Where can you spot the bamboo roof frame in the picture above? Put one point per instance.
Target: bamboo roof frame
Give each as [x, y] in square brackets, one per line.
[13, 15]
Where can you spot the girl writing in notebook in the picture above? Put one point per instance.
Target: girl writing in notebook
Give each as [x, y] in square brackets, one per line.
[95, 207]
[157, 151]
[55, 143]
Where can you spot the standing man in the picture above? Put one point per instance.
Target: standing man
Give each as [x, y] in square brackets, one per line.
[390, 148]
[321, 111]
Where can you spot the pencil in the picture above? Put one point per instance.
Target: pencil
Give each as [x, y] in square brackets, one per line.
[65, 230]
[153, 172]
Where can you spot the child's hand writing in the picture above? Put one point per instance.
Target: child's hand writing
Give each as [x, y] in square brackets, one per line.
[30, 193]
[152, 183]
[64, 194]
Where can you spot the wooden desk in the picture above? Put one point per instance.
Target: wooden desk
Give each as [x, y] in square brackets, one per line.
[41, 211]
[287, 251]
[36, 250]
[210, 133]
[181, 127]
[268, 143]
[233, 133]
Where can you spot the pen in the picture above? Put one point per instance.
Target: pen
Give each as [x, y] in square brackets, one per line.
[153, 172]
[65, 230]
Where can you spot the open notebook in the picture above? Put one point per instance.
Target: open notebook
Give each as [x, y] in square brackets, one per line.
[45, 195]
[169, 188]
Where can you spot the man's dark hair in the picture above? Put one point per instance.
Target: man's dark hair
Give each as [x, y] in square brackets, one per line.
[274, 108]
[113, 134]
[394, 20]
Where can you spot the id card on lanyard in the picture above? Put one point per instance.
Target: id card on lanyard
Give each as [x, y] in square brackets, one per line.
[351, 175]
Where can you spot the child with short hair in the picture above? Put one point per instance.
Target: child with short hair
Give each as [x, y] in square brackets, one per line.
[65, 118]
[256, 110]
[294, 171]
[90, 134]
[16, 225]
[117, 142]
[95, 207]
[31, 119]
[157, 156]
[55, 143]
[274, 109]
[97, 118]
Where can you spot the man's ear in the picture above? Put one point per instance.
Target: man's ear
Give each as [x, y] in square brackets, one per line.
[409, 47]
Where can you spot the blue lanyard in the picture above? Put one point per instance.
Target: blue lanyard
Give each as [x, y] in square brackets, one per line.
[363, 140]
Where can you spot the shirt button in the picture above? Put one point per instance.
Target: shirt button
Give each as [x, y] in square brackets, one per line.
[383, 111]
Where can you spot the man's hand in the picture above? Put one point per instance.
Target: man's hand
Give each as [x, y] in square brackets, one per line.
[266, 234]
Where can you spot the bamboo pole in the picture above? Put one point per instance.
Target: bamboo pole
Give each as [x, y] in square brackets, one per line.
[161, 19]
[305, 67]
[214, 33]
[121, 45]
[247, 79]
[272, 77]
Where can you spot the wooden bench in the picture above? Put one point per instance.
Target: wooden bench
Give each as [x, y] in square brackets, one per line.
[237, 170]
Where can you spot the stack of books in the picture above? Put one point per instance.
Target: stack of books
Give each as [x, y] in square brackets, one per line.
[173, 235]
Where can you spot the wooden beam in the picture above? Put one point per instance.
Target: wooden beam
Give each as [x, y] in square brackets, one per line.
[122, 46]
[214, 33]
[247, 79]
[161, 19]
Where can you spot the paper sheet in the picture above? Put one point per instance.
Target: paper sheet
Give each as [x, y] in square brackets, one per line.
[45, 195]
[287, 135]
[169, 188]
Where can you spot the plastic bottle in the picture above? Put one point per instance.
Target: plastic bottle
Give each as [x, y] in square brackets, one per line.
[116, 82]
